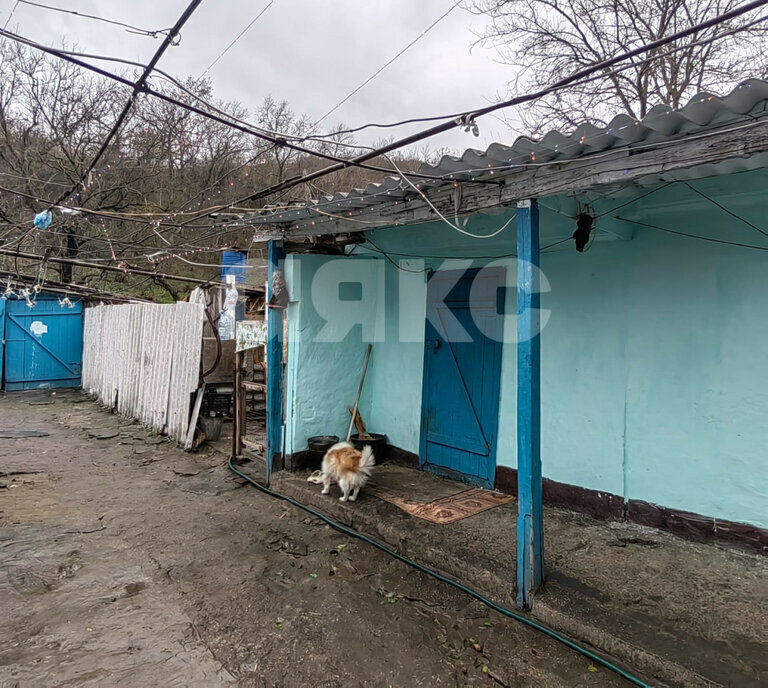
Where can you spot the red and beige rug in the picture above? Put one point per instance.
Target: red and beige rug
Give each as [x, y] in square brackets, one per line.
[445, 509]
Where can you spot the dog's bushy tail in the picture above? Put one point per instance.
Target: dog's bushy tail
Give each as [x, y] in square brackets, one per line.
[367, 460]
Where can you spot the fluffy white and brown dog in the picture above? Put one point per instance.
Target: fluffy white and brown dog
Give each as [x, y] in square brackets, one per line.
[348, 467]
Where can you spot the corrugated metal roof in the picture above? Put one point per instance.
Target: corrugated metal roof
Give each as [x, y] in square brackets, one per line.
[706, 111]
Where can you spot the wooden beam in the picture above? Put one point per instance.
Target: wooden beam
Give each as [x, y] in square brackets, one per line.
[530, 520]
[617, 167]
[274, 365]
[237, 407]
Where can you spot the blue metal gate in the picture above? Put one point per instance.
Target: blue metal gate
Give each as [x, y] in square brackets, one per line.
[462, 367]
[43, 345]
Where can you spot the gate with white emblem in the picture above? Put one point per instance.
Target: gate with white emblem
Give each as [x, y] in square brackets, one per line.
[43, 346]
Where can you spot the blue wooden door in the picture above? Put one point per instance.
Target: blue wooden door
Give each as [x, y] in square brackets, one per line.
[43, 345]
[462, 367]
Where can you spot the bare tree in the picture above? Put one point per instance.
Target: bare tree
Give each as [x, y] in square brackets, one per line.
[546, 40]
[277, 116]
[166, 164]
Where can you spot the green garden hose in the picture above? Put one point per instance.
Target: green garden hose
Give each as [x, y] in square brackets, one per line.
[597, 659]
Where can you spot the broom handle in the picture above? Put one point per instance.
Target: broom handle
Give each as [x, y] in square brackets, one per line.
[359, 391]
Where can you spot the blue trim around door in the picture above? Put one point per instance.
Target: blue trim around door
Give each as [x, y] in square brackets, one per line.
[462, 371]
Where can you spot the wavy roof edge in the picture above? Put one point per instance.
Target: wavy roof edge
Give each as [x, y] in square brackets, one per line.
[661, 124]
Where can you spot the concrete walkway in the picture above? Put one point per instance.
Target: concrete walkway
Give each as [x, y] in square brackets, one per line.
[676, 612]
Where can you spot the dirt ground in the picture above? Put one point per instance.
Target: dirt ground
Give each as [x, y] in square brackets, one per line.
[126, 562]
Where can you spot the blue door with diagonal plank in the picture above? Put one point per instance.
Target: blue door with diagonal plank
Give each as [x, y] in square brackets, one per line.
[43, 345]
[462, 368]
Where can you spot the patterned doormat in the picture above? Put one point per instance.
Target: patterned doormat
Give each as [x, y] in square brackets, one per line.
[446, 509]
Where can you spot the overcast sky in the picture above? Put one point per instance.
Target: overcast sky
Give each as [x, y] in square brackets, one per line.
[311, 53]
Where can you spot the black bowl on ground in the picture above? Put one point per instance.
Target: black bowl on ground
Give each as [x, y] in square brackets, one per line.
[377, 442]
[318, 446]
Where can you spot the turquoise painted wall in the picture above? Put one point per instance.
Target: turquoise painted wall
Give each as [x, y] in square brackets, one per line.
[653, 365]
[325, 363]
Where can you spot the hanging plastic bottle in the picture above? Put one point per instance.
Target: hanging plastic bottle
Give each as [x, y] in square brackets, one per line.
[226, 326]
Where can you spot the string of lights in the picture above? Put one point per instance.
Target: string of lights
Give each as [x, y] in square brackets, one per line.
[477, 113]
[445, 126]
[219, 233]
[585, 161]
[470, 116]
[14, 280]
[124, 268]
[126, 217]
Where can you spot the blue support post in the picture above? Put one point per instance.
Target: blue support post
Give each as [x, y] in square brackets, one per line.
[274, 365]
[530, 520]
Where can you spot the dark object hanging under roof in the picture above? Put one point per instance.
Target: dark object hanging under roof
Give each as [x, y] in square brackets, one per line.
[584, 225]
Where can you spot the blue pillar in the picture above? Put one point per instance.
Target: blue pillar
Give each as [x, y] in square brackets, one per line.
[530, 521]
[274, 365]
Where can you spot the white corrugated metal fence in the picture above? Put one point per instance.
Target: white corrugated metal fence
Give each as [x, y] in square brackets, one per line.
[144, 361]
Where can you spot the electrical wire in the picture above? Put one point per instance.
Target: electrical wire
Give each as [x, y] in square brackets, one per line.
[535, 625]
[389, 62]
[68, 288]
[341, 163]
[724, 209]
[97, 213]
[576, 163]
[10, 16]
[237, 38]
[138, 86]
[250, 198]
[692, 236]
[388, 254]
[611, 72]
[323, 137]
[443, 217]
[152, 33]
[633, 200]
[467, 117]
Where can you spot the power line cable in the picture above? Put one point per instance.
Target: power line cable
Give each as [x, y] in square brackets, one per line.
[464, 120]
[10, 16]
[138, 86]
[612, 72]
[153, 33]
[237, 38]
[323, 137]
[227, 120]
[414, 138]
[468, 117]
[389, 62]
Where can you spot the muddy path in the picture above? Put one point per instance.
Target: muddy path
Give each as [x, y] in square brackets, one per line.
[126, 562]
